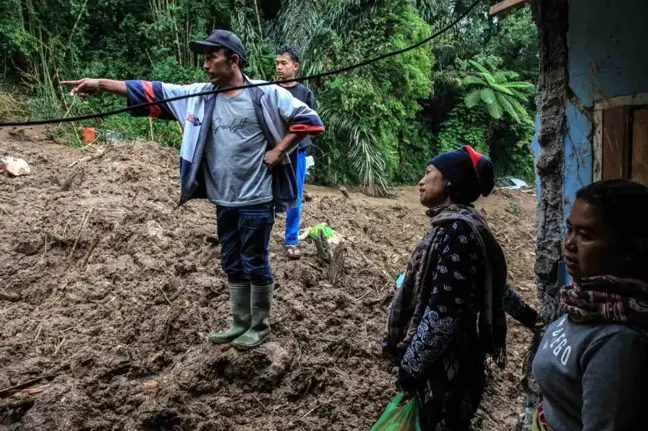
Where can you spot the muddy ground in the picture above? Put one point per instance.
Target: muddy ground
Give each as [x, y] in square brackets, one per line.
[108, 292]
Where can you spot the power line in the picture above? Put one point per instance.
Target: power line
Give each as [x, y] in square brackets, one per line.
[205, 93]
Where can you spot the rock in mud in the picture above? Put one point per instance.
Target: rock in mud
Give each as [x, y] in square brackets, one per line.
[14, 166]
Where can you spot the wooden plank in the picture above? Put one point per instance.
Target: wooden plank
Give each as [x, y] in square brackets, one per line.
[615, 102]
[616, 133]
[504, 6]
[639, 169]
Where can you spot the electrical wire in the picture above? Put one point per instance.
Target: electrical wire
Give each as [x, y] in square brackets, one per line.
[260, 84]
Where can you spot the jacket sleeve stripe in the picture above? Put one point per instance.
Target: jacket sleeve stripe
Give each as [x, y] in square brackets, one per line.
[305, 128]
[308, 123]
[155, 110]
[147, 91]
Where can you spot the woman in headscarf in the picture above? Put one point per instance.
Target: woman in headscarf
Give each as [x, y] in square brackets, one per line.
[449, 314]
[591, 365]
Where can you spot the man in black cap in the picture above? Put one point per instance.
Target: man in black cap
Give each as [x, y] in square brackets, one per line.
[235, 152]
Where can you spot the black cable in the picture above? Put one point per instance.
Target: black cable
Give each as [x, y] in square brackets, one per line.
[205, 93]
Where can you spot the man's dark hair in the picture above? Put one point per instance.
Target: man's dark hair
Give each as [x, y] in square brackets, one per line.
[292, 52]
[623, 205]
[228, 55]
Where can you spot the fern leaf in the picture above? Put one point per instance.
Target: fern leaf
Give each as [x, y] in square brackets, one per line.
[488, 96]
[508, 107]
[473, 80]
[495, 110]
[473, 98]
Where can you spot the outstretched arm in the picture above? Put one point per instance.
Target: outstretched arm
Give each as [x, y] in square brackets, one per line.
[139, 92]
[90, 87]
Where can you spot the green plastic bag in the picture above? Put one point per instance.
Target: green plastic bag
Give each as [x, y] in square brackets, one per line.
[399, 417]
[327, 231]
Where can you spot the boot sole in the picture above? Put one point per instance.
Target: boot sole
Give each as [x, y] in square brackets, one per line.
[224, 340]
[249, 346]
[246, 346]
[221, 341]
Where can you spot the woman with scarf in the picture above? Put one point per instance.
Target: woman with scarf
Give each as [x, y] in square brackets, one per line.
[592, 364]
[449, 314]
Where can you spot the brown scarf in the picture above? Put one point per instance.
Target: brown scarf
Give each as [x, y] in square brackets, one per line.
[412, 298]
[608, 299]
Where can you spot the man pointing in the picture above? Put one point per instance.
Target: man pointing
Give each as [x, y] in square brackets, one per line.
[234, 152]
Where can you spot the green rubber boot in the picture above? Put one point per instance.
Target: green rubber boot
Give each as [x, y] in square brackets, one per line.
[240, 303]
[260, 328]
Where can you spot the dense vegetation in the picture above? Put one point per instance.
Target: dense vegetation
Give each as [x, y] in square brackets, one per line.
[472, 85]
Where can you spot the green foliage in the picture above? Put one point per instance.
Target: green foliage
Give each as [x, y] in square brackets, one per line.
[515, 42]
[498, 92]
[368, 112]
[383, 121]
[504, 141]
[465, 127]
[468, 104]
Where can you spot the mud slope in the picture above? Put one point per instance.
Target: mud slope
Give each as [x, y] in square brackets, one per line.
[107, 294]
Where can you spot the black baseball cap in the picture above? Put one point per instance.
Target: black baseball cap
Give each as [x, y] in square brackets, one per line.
[221, 39]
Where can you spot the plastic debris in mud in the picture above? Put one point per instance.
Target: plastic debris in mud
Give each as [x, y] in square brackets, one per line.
[400, 280]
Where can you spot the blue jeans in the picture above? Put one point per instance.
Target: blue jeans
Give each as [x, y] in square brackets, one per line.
[244, 235]
[293, 216]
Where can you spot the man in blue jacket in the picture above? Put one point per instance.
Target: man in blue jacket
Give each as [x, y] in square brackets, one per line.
[235, 152]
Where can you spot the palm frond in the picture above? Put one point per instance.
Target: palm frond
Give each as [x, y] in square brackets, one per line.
[479, 67]
[502, 88]
[246, 28]
[498, 92]
[521, 85]
[495, 110]
[505, 75]
[366, 158]
[518, 95]
[295, 20]
[487, 95]
[519, 108]
[508, 107]
[312, 25]
[488, 77]
[473, 98]
[473, 80]
[349, 14]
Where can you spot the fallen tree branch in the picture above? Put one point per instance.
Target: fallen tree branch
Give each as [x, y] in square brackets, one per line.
[101, 152]
[8, 391]
[59, 239]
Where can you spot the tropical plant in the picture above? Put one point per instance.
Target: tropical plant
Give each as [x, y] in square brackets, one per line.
[383, 120]
[364, 155]
[499, 91]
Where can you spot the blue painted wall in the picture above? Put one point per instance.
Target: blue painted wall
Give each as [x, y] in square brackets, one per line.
[608, 57]
[608, 48]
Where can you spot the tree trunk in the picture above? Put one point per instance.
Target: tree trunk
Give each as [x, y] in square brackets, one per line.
[552, 20]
